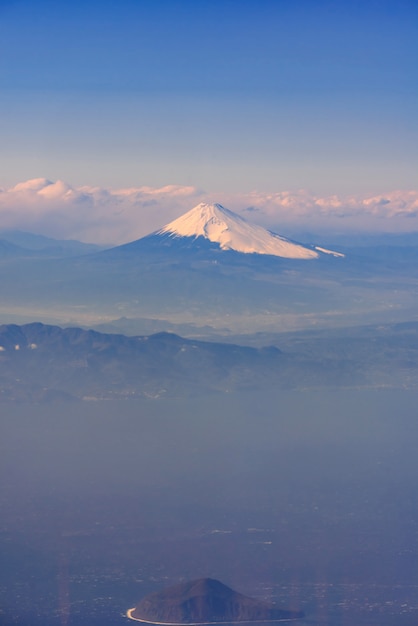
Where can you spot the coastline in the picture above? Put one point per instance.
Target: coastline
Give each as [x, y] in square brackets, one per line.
[263, 621]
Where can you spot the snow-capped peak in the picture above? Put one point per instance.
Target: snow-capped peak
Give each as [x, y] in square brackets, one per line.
[220, 225]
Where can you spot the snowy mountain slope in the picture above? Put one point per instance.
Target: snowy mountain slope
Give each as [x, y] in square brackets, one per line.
[220, 225]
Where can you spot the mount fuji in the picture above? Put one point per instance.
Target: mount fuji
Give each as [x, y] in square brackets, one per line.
[208, 267]
[213, 226]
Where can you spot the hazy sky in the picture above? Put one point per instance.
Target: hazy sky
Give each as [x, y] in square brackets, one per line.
[225, 96]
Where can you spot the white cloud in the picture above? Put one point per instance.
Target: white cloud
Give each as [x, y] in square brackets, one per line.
[103, 215]
[91, 213]
[396, 211]
[35, 184]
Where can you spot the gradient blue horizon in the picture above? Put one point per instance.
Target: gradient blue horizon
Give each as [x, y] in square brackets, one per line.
[226, 95]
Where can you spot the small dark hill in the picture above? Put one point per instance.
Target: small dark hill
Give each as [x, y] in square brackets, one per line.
[204, 601]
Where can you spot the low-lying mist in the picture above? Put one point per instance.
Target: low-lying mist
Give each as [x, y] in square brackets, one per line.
[258, 490]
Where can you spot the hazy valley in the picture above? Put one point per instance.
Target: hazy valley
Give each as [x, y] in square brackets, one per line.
[303, 498]
[174, 410]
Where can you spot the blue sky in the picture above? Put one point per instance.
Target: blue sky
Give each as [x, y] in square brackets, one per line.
[224, 95]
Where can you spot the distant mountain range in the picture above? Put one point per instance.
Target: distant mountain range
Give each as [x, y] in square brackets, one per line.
[47, 362]
[40, 363]
[16, 243]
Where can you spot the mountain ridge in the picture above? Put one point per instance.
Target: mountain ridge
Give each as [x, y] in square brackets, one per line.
[40, 363]
[27, 244]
